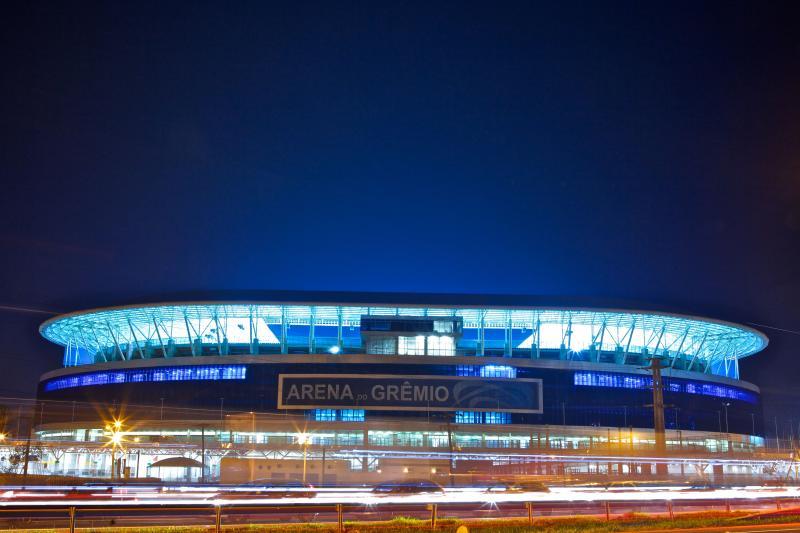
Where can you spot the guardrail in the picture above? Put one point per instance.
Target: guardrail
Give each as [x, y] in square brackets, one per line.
[518, 509]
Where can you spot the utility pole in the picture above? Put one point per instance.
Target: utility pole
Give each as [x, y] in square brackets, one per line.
[203, 452]
[658, 405]
[450, 447]
[322, 476]
[727, 430]
[27, 455]
[659, 430]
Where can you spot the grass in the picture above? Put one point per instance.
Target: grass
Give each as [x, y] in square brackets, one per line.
[623, 523]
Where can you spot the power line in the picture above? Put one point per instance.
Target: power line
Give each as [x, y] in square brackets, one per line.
[28, 310]
[792, 331]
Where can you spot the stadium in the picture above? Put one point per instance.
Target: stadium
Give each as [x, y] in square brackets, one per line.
[252, 390]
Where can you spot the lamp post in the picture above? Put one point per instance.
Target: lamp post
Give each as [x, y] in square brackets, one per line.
[727, 430]
[203, 453]
[304, 439]
[114, 440]
[725, 405]
[322, 475]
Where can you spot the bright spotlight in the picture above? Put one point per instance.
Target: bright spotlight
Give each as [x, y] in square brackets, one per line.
[334, 349]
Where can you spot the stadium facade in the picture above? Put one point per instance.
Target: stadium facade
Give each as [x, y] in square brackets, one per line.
[283, 380]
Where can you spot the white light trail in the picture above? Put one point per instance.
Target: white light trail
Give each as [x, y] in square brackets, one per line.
[474, 495]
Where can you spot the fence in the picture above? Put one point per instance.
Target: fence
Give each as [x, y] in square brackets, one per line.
[99, 514]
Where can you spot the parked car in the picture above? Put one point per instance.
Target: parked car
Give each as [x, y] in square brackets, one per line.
[518, 486]
[285, 490]
[407, 487]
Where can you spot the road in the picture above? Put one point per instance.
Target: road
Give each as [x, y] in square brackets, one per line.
[148, 506]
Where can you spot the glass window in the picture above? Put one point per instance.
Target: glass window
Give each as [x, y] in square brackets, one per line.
[467, 370]
[438, 440]
[349, 439]
[498, 371]
[408, 439]
[344, 415]
[443, 326]
[468, 441]
[352, 415]
[382, 346]
[381, 438]
[467, 417]
[497, 418]
[471, 417]
[411, 345]
[324, 415]
[627, 381]
[441, 345]
[193, 373]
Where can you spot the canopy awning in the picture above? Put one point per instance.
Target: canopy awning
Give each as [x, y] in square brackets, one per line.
[179, 462]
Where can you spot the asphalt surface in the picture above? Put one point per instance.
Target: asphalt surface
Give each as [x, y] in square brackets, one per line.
[149, 506]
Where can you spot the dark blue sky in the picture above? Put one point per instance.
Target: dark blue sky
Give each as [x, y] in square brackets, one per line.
[629, 151]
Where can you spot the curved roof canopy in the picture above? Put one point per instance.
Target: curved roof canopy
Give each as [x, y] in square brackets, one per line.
[220, 328]
[177, 462]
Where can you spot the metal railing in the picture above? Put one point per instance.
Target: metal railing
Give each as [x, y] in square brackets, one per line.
[336, 512]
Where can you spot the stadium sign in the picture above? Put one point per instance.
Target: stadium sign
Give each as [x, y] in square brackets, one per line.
[386, 392]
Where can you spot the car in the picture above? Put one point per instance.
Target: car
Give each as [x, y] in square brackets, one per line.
[699, 488]
[287, 490]
[518, 486]
[407, 487]
[86, 494]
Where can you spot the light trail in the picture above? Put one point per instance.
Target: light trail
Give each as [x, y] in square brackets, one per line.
[564, 458]
[211, 496]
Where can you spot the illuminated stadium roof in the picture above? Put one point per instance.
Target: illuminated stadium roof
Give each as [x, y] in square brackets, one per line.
[222, 328]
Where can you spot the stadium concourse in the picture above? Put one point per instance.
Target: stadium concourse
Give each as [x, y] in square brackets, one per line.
[335, 392]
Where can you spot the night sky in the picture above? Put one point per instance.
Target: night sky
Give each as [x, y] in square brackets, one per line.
[607, 151]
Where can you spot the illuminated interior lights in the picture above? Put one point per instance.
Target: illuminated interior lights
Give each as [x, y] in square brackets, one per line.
[630, 381]
[188, 373]
[621, 337]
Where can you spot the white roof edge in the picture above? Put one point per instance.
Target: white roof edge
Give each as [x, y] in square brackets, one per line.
[695, 318]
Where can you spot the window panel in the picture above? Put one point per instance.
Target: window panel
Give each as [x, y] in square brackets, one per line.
[191, 373]
[471, 417]
[627, 381]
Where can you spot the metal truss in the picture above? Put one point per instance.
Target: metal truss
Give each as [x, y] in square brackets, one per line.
[622, 337]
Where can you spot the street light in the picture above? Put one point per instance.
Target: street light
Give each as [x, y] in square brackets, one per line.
[727, 431]
[304, 439]
[115, 439]
[725, 405]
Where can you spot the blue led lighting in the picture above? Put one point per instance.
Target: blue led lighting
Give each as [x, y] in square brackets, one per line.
[498, 371]
[488, 371]
[233, 328]
[343, 415]
[189, 373]
[471, 417]
[351, 415]
[628, 381]
[325, 415]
